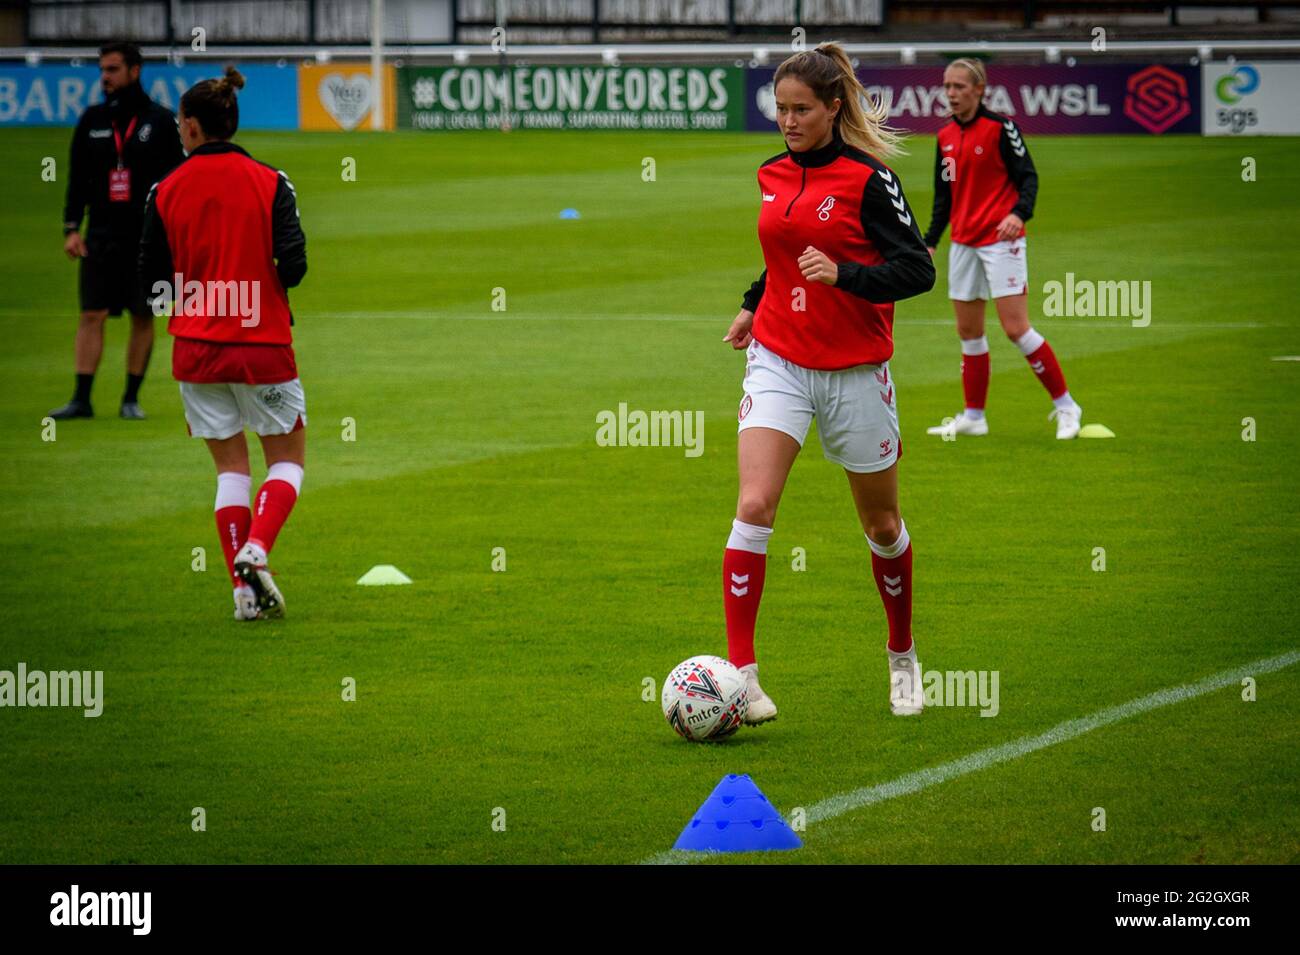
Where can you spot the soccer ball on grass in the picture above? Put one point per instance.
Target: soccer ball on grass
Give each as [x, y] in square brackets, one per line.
[705, 698]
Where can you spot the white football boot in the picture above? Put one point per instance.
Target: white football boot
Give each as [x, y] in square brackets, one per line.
[246, 603]
[905, 696]
[1068, 421]
[250, 565]
[962, 424]
[761, 708]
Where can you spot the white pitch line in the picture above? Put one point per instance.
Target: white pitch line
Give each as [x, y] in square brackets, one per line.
[1071, 729]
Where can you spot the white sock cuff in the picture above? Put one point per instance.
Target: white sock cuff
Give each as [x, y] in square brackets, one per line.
[975, 346]
[750, 537]
[232, 489]
[1030, 342]
[888, 551]
[288, 472]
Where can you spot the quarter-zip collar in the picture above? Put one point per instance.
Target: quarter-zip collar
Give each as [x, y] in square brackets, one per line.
[980, 110]
[813, 158]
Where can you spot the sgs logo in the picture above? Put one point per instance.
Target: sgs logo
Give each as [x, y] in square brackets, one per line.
[1236, 120]
[1230, 89]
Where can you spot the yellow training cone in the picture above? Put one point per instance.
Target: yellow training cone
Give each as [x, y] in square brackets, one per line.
[1096, 431]
[383, 574]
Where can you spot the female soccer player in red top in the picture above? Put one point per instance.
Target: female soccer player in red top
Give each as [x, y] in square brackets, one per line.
[222, 241]
[840, 246]
[985, 184]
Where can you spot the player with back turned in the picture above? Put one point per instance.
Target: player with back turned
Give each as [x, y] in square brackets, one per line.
[120, 148]
[840, 246]
[225, 227]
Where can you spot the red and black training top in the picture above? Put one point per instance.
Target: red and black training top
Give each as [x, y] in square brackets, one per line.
[851, 206]
[223, 217]
[982, 173]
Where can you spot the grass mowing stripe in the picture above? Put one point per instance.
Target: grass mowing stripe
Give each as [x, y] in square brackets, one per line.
[716, 317]
[1071, 729]
[435, 314]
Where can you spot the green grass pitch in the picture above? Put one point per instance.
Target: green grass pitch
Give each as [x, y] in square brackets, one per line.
[521, 690]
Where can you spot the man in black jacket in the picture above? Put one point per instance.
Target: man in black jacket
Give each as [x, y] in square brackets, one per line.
[121, 147]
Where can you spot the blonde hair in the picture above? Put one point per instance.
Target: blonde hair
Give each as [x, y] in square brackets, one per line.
[973, 66]
[828, 72]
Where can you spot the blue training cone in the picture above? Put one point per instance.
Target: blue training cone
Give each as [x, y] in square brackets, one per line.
[737, 818]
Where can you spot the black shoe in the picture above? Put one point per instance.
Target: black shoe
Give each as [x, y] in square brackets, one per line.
[73, 409]
[132, 409]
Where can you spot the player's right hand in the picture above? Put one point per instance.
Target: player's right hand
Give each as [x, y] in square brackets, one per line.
[75, 246]
[930, 249]
[738, 334]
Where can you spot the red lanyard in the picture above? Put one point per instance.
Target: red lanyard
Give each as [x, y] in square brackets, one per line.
[120, 141]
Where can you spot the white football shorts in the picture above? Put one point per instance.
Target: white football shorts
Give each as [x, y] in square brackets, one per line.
[987, 271]
[856, 408]
[221, 410]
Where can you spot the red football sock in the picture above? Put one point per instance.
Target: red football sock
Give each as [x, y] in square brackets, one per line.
[1048, 369]
[894, 581]
[275, 499]
[232, 527]
[742, 586]
[975, 379]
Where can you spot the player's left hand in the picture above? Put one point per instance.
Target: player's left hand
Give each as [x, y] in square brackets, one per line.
[1009, 228]
[818, 267]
